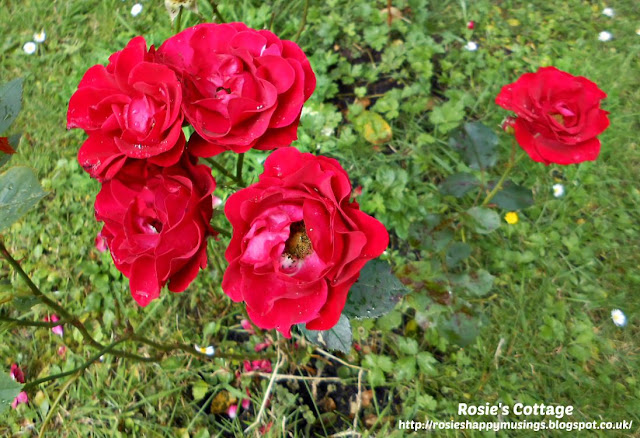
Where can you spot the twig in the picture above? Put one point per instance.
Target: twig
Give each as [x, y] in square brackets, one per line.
[303, 23]
[22, 322]
[239, 164]
[216, 11]
[82, 367]
[337, 359]
[267, 393]
[55, 403]
[358, 401]
[222, 170]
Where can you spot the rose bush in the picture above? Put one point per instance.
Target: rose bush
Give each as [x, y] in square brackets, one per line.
[242, 88]
[156, 222]
[298, 242]
[131, 109]
[558, 115]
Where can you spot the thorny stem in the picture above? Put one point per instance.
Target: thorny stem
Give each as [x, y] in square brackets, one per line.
[239, 165]
[216, 11]
[223, 171]
[167, 348]
[82, 367]
[22, 322]
[178, 20]
[506, 173]
[303, 23]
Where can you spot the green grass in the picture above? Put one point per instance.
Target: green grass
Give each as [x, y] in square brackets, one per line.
[546, 332]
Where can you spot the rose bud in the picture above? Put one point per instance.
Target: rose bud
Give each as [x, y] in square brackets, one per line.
[298, 242]
[242, 88]
[558, 115]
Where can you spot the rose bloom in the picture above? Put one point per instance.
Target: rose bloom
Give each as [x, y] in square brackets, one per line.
[558, 115]
[242, 88]
[156, 222]
[130, 108]
[298, 242]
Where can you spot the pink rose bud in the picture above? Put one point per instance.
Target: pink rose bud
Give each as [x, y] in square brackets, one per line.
[233, 411]
[58, 330]
[16, 373]
[471, 24]
[246, 403]
[62, 350]
[21, 398]
[216, 202]
[101, 243]
[247, 326]
[262, 345]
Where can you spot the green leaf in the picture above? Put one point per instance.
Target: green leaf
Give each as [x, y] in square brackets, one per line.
[476, 283]
[19, 191]
[457, 252]
[461, 329]
[375, 293]
[199, 389]
[14, 141]
[405, 368]
[338, 338]
[427, 363]
[9, 389]
[10, 103]
[485, 219]
[513, 197]
[459, 184]
[477, 144]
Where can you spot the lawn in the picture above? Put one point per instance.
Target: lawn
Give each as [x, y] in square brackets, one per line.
[532, 324]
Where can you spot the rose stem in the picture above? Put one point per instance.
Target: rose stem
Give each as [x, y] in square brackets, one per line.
[498, 186]
[303, 23]
[179, 20]
[222, 170]
[239, 164]
[216, 11]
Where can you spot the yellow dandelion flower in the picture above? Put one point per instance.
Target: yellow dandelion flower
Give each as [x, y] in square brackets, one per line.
[511, 218]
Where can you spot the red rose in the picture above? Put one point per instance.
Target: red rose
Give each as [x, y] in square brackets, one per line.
[156, 221]
[131, 108]
[242, 88]
[559, 115]
[298, 242]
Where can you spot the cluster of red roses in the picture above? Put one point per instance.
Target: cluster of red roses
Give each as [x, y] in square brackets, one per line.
[299, 241]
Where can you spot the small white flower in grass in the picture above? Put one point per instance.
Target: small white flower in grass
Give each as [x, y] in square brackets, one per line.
[558, 190]
[471, 46]
[604, 36]
[618, 318]
[638, 31]
[209, 351]
[29, 48]
[608, 12]
[327, 131]
[40, 36]
[136, 9]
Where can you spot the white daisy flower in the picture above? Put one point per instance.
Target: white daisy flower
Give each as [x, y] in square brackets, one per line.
[29, 48]
[618, 318]
[608, 12]
[136, 9]
[471, 46]
[558, 190]
[604, 36]
[40, 36]
[209, 351]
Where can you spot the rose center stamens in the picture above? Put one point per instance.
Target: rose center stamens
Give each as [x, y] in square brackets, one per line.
[558, 118]
[298, 245]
